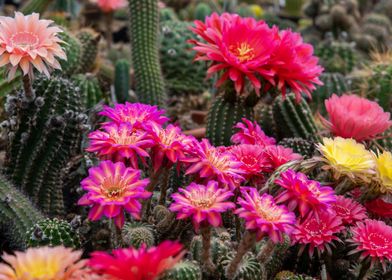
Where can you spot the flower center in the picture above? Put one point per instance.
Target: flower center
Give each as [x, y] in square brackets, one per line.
[112, 189]
[315, 228]
[24, 39]
[267, 211]
[244, 52]
[249, 160]
[202, 200]
[340, 210]
[217, 160]
[124, 137]
[378, 241]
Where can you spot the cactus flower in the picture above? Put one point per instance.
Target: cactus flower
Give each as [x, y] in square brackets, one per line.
[279, 155]
[108, 6]
[384, 171]
[348, 210]
[251, 133]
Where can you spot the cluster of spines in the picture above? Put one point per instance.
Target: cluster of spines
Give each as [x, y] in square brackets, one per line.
[17, 212]
[89, 40]
[90, 89]
[35, 6]
[304, 147]
[144, 22]
[46, 133]
[185, 270]
[73, 50]
[52, 232]
[136, 234]
[121, 80]
[337, 56]
[249, 268]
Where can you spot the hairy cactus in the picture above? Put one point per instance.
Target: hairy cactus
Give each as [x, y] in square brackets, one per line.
[181, 73]
[136, 234]
[337, 56]
[144, 20]
[286, 118]
[89, 40]
[301, 146]
[52, 232]
[35, 6]
[249, 267]
[17, 213]
[73, 50]
[90, 90]
[226, 111]
[184, 270]
[334, 83]
[121, 80]
[44, 135]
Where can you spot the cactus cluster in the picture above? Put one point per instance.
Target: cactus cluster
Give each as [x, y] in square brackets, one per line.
[52, 232]
[249, 267]
[44, 135]
[136, 234]
[90, 90]
[185, 270]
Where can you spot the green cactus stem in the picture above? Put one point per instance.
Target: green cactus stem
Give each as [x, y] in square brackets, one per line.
[89, 40]
[35, 6]
[121, 80]
[185, 270]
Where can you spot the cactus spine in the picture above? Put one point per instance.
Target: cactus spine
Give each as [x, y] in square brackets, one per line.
[46, 134]
[52, 232]
[35, 6]
[301, 146]
[249, 267]
[17, 213]
[184, 270]
[337, 56]
[121, 80]
[89, 88]
[144, 21]
[136, 234]
[89, 40]
[73, 51]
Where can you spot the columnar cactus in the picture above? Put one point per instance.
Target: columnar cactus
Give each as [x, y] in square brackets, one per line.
[17, 212]
[136, 234]
[182, 74]
[144, 21]
[73, 50]
[35, 6]
[90, 90]
[89, 40]
[185, 270]
[44, 135]
[52, 232]
[121, 80]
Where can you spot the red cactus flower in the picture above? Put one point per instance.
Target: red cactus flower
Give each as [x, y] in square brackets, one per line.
[251, 133]
[348, 210]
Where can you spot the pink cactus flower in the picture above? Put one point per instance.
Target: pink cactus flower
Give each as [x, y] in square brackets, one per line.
[318, 232]
[202, 203]
[263, 215]
[27, 42]
[279, 155]
[137, 114]
[374, 240]
[307, 195]
[108, 6]
[251, 133]
[212, 164]
[351, 116]
[120, 142]
[348, 210]
[137, 264]
[111, 189]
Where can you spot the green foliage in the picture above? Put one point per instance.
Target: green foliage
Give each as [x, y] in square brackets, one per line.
[225, 112]
[181, 73]
[17, 213]
[334, 83]
[73, 50]
[337, 56]
[121, 80]
[136, 234]
[144, 22]
[184, 270]
[44, 134]
[249, 267]
[6, 86]
[52, 232]
[89, 40]
[90, 90]
[35, 6]
[301, 146]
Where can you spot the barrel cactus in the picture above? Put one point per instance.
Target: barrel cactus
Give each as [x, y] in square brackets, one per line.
[337, 56]
[90, 89]
[136, 234]
[185, 270]
[89, 40]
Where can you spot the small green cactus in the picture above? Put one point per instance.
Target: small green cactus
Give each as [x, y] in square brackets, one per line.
[89, 88]
[144, 22]
[73, 50]
[121, 80]
[35, 6]
[136, 234]
[52, 232]
[275, 262]
[44, 134]
[301, 146]
[202, 10]
[89, 40]
[249, 267]
[337, 56]
[185, 270]
[219, 248]
[17, 213]
[334, 83]
[182, 74]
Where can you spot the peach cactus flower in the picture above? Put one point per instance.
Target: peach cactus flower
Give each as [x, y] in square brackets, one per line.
[27, 42]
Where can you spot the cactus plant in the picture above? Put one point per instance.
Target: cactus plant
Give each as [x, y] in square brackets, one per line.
[301, 146]
[219, 248]
[136, 234]
[288, 275]
[275, 262]
[35, 6]
[249, 267]
[286, 118]
[181, 73]
[144, 21]
[333, 83]
[17, 212]
[202, 10]
[52, 232]
[88, 39]
[90, 90]
[73, 50]
[184, 270]
[44, 136]
[121, 80]
[337, 56]
[226, 111]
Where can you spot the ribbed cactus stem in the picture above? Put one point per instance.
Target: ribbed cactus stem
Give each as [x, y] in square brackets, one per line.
[17, 212]
[35, 6]
[207, 264]
[144, 21]
[121, 80]
[266, 251]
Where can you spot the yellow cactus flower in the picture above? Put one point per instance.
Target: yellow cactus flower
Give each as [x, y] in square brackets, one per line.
[257, 10]
[384, 171]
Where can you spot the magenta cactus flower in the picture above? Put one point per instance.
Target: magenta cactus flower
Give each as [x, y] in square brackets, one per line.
[137, 114]
[263, 215]
[307, 195]
[112, 188]
[203, 203]
[348, 210]
[279, 155]
[251, 133]
[119, 141]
